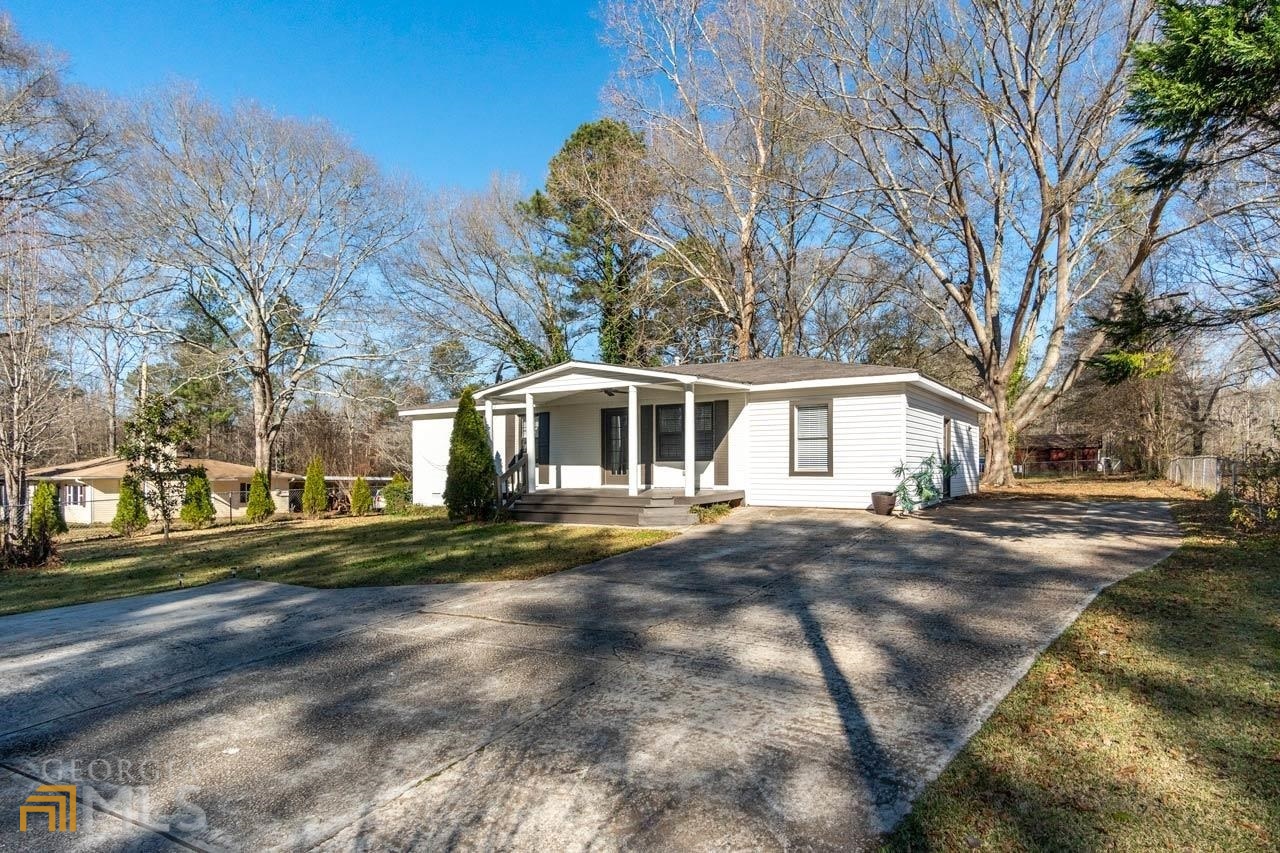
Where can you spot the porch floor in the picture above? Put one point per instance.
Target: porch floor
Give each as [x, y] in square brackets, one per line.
[675, 495]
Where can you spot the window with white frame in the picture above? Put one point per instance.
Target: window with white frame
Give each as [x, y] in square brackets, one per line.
[811, 437]
[73, 494]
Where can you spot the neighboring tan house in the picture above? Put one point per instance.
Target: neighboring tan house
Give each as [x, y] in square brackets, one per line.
[89, 490]
[774, 432]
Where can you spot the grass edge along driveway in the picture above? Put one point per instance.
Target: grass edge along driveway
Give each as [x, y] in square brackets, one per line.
[1152, 723]
[339, 552]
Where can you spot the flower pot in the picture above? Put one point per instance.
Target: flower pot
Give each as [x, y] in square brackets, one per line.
[883, 502]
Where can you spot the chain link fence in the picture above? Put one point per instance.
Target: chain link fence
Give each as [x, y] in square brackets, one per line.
[1202, 473]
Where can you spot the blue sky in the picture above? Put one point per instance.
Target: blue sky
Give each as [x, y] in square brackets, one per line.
[451, 92]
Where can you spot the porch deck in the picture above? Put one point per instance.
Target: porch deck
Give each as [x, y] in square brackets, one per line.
[653, 507]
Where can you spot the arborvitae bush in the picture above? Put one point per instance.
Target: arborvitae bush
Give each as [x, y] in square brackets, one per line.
[397, 496]
[197, 501]
[261, 506]
[46, 516]
[469, 484]
[315, 498]
[361, 497]
[131, 509]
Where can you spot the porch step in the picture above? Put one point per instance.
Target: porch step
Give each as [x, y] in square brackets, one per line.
[561, 507]
[639, 518]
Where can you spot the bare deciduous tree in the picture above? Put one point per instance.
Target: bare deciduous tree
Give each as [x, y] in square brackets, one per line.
[54, 149]
[274, 227]
[993, 140]
[487, 272]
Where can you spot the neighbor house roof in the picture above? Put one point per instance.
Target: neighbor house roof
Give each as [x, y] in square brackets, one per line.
[113, 467]
[763, 374]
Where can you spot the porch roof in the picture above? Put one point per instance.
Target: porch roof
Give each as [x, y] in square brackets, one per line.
[761, 374]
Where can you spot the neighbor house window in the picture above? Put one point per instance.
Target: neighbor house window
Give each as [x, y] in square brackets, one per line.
[73, 495]
[244, 493]
[670, 432]
[811, 437]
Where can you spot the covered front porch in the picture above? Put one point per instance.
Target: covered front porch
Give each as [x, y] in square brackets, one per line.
[603, 432]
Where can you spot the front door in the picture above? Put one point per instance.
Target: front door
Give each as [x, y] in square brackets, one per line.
[613, 447]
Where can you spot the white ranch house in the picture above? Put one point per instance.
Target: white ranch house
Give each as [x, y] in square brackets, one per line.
[773, 432]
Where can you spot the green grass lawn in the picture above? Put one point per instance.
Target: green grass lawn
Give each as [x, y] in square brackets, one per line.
[373, 551]
[1152, 724]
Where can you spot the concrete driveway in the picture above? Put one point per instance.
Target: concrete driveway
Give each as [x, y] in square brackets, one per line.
[784, 679]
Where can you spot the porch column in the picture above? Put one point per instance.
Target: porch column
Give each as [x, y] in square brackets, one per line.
[633, 440]
[530, 446]
[488, 425]
[690, 464]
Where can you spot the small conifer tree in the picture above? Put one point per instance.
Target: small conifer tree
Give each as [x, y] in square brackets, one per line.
[131, 509]
[260, 506]
[197, 502]
[397, 495]
[315, 499]
[469, 485]
[361, 497]
[46, 515]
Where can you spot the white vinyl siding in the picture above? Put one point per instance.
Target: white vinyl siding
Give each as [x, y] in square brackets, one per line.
[926, 415]
[812, 438]
[430, 458]
[867, 434]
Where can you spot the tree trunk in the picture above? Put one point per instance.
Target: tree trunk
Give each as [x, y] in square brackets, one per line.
[113, 417]
[263, 434]
[744, 345]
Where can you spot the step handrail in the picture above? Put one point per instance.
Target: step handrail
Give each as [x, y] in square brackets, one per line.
[512, 483]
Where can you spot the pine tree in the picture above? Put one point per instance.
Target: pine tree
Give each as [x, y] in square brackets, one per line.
[397, 495]
[197, 501]
[361, 497]
[260, 506]
[131, 509]
[46, 515]
[315, 499]
[468, 485]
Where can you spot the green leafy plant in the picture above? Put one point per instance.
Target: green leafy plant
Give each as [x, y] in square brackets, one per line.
[469, 486]
[260, 506]
[397, 496]
[315, 497]
[361, 497]
[131, 509]
[918, 486]
[152, 439]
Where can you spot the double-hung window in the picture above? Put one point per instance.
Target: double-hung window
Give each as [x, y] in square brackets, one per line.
[73, 494]
[811, 437]
[670, 432]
